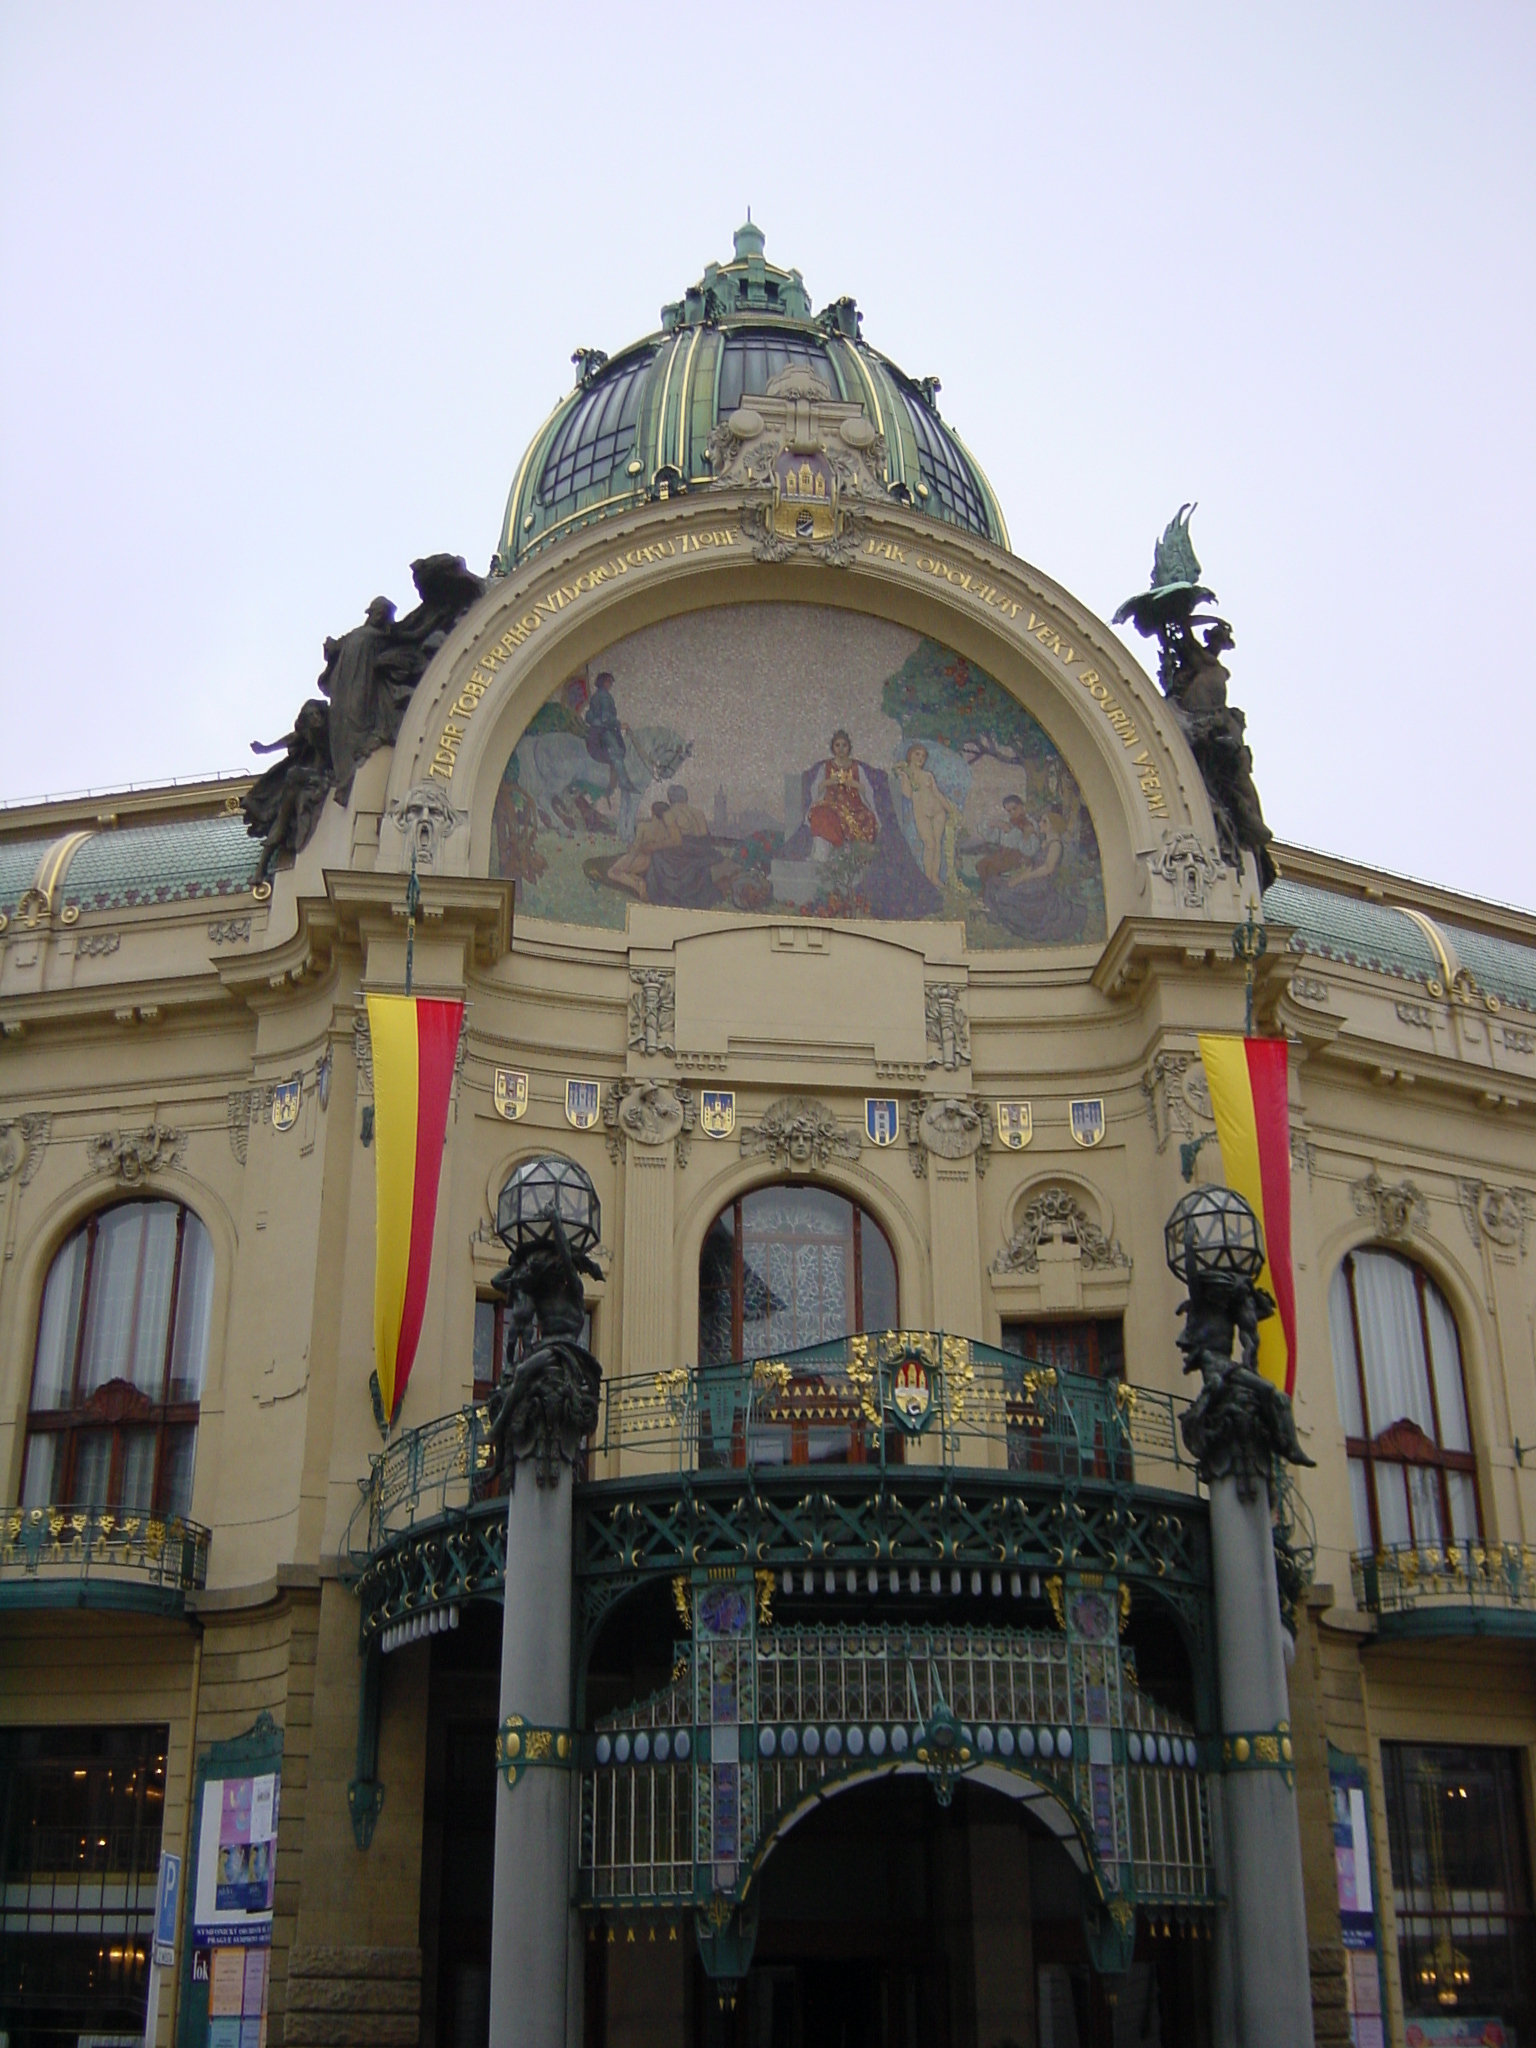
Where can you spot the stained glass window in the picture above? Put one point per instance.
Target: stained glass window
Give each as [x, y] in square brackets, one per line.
[784, 1267]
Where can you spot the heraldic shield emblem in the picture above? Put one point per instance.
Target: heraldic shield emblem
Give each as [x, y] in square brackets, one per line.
[582, 1099]
[1015, 1125]
[717, 1112]
[510, 1090]
[912, 1392]
[881, 1121]
[1088, 1121]
[285, 1103]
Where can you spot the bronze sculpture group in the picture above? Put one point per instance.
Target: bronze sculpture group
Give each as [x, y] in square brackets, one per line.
[366, 684]
[546, 1401]
[1194, 680]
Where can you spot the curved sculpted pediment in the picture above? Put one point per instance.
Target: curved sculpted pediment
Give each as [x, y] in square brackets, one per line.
[659, 715]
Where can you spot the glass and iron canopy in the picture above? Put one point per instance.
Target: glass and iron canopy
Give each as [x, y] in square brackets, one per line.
[539, 1191]
[637, 426]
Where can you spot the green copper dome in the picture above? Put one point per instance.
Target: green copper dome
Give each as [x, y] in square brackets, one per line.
[638, 424]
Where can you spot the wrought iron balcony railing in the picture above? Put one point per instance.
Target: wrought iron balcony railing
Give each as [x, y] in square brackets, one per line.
[1455, 1589]
[98, 1556]
[879, 1399]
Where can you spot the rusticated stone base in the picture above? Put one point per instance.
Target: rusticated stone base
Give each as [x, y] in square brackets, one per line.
[353, 1998]
[1330, 2017]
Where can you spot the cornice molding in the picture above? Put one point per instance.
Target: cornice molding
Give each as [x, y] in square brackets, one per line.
[1141, 946]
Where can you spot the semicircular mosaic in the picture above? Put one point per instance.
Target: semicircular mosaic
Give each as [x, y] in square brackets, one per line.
[797, 761]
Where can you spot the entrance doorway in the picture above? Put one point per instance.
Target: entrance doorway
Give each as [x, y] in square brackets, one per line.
[888, 1921]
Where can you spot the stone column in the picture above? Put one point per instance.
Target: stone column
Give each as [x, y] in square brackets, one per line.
[1269, 1919]
[649, 1124]
[1237, 1429]
[531, 1897]
[545, 1403]
[956, 1241]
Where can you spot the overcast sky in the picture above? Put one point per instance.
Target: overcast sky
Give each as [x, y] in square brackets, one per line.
[284, 292]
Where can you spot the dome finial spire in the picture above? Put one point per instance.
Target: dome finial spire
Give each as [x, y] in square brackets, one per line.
[749, 240]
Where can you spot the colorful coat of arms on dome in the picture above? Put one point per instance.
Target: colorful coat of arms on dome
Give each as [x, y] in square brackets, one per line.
[795, 760]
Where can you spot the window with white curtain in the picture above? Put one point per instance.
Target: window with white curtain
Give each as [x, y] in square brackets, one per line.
[1403, 1399]
[117, 1377]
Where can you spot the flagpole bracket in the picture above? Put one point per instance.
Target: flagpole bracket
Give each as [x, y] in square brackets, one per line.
[1250, 942]
[1189, 1152]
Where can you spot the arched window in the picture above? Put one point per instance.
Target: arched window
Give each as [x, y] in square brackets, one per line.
[781, 1268]
[122, 1343]
[787, 1266]
[1397, 1362]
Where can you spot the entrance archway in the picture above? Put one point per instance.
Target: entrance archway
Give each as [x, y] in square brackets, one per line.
[884, 1919]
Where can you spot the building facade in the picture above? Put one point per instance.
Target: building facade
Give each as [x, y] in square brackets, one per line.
[833, 890]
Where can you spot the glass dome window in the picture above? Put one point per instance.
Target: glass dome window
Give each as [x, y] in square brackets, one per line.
[752, 361]
[597, 436]
[944, 468]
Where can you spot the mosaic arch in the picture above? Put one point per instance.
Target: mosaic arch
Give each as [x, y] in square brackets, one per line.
[797, 760]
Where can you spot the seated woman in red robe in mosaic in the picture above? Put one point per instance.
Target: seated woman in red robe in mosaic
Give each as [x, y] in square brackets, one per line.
[842, 807]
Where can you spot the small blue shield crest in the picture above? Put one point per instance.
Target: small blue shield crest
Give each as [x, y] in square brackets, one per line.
[581, 1103]
[1088, 1121]
[717, 1113]
[881, 1119]
[285, 1103]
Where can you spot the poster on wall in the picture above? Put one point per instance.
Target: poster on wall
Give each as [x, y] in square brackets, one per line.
[1357, 1903]
[797, 760]
[236, 1863]
[237, 1998]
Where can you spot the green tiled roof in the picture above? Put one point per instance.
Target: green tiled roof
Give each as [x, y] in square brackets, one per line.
[122, 868]
[140, 864]
[1376, 935]
[1502, 970]
[18, 864]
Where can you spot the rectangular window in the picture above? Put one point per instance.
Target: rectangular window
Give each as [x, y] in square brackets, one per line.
[1092, 1346]
[488, 1341]
[1050, 1437]
[80, 1823]
[1466, 1937]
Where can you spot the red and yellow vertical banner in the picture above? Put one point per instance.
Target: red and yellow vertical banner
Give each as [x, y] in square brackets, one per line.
[415, 1042]
[1247, 1078]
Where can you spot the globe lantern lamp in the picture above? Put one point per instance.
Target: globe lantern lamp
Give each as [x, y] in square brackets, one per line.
[1213, 1235]
[539, 1191]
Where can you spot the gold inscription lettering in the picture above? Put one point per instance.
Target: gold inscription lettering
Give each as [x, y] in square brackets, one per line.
[489, 659]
